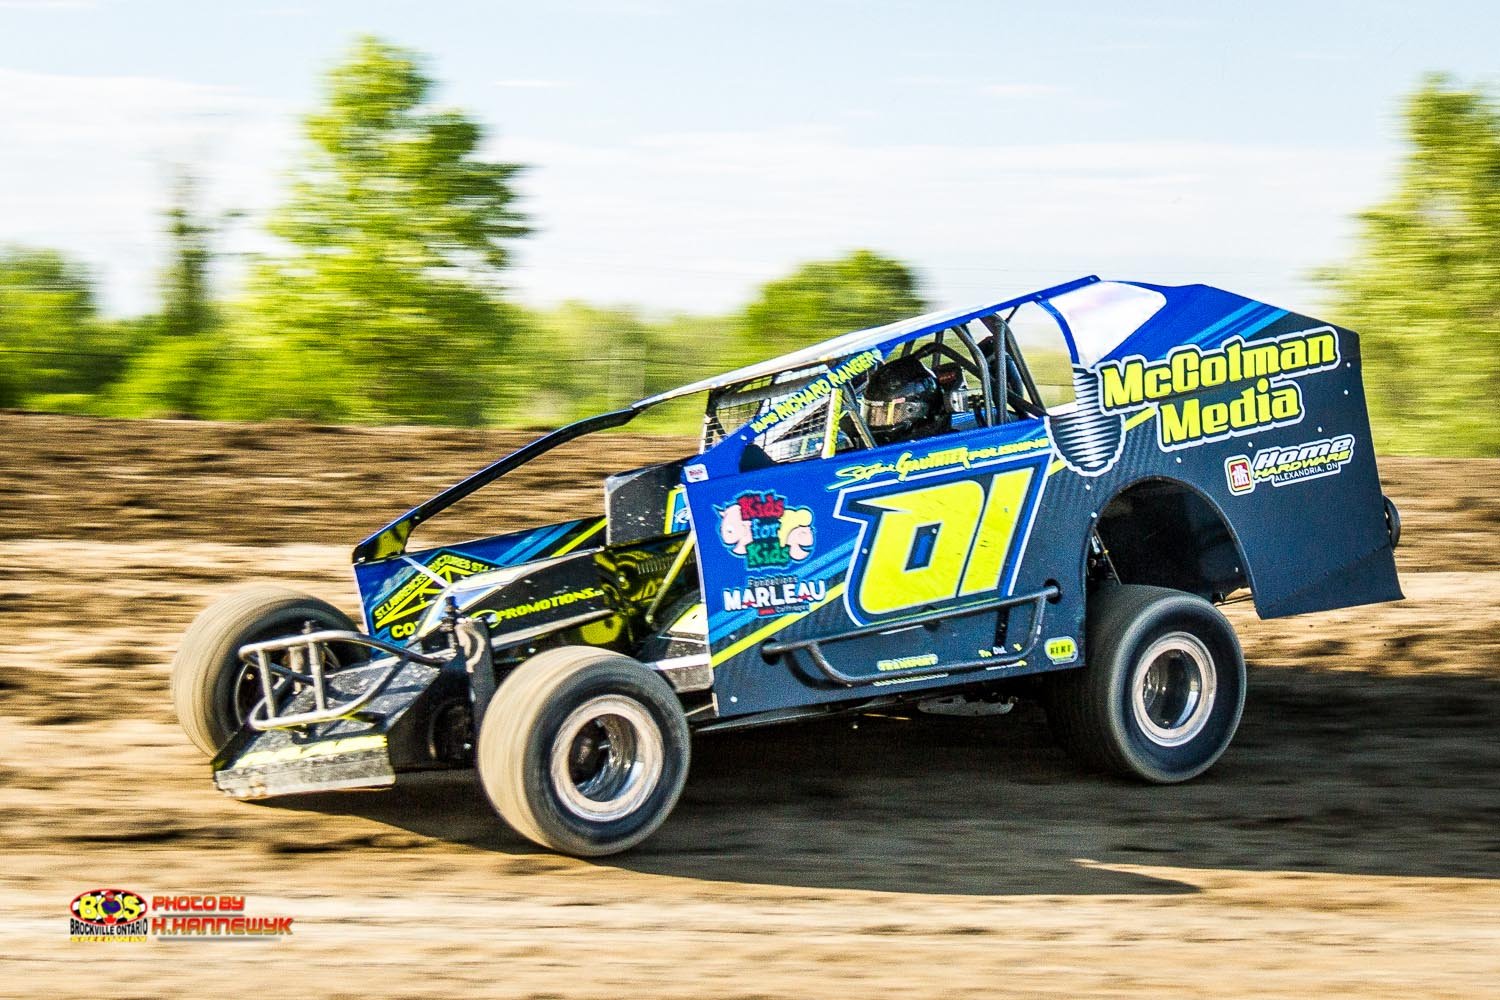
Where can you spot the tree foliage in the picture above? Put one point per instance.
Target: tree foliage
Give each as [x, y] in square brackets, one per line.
[387, 305]
[1424, 287]
[51, 341]
[826, 298]
[177, 352]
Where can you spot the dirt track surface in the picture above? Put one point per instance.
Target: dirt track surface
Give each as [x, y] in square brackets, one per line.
[1348, 843]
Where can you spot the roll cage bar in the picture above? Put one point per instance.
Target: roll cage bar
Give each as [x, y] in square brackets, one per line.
[1006, 369]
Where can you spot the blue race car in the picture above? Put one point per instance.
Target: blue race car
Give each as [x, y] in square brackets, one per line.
[1045, 496]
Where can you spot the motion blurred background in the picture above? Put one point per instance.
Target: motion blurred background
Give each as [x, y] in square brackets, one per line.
[515, 214]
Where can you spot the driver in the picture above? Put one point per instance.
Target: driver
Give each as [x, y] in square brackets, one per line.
[903, 403]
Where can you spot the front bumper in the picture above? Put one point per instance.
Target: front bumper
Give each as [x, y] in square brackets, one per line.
[354, 727]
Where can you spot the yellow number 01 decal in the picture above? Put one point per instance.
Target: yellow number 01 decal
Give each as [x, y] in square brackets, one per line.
[937, 543]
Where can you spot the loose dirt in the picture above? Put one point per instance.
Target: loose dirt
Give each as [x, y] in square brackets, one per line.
[1348, 843]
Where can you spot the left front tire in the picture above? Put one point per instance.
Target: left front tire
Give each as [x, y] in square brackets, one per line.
[584, 751]
[212, 690]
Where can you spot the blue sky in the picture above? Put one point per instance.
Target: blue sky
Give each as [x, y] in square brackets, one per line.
[681, 153]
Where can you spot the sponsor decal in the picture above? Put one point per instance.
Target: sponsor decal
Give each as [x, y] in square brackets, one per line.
[308, 751]
[819, 388]
[907, 662]
[1176, 384]
[400, 611]
[122, 915]
[107, 915]
[775, 595]
[930, 546]
[961, 457]
[496, 616]
[760, 528]
[1062, 649]
[695, 473]
[1237, 474]
[677, 511]
[1284, 465]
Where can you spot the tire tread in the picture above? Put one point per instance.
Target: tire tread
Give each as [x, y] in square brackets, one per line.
[212, 641]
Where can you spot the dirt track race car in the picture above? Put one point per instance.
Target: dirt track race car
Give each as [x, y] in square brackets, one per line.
[1045, 496]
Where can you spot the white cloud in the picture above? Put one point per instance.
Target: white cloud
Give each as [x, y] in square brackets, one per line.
[1020, 90]
[695, 220]
[533, 84]
[88, 163]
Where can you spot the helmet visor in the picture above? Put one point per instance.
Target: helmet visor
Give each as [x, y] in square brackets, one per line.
[883, 414]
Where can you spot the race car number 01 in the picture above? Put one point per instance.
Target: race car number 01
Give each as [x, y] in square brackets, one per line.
[935, 544]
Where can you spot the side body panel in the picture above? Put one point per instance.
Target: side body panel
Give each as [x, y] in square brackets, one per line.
[876, 537]
[396, 592]
[1258, 411]
[1262, 413]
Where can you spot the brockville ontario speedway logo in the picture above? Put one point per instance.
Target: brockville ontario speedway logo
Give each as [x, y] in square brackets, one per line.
[122, 915]
[107, 915]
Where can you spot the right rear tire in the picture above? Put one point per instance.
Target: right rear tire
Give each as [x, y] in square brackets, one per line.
[1161, 693]
[583, 750]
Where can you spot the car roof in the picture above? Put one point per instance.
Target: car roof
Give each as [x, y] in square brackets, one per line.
[860, 340]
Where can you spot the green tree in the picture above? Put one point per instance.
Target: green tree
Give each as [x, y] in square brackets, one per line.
[577, 359]
[1423, 289]
[51, 342]
[826, 298]
[387, 306]
[179, 351]
[187, 303]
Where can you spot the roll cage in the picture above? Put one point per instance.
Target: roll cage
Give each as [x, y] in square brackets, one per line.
[737, 398]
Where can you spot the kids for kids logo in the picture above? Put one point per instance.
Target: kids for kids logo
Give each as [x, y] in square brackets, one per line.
[761, 529]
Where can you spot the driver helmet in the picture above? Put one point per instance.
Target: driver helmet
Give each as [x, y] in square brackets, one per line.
[902, 402]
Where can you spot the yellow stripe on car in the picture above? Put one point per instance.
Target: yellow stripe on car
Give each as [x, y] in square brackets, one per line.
[581, 538]
[327, 748]
[767, 631]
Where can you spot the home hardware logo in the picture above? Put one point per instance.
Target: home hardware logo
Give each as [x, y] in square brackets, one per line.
[1282, 465]
[1268, 399]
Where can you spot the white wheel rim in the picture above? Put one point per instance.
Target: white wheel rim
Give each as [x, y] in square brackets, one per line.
[1172, 689]
[606, 758]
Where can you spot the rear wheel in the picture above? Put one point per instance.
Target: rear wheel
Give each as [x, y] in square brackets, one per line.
[1161, 694]
[583, 750]
[212, 691]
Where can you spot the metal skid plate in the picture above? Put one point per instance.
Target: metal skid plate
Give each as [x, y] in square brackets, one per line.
[345, 753]
[338, 768]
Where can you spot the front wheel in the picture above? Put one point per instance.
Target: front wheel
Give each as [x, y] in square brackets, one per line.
[212, 689]
[583, 750]
[1161, 694]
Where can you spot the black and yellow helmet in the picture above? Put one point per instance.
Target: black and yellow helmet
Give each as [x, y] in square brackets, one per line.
[902, 402]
